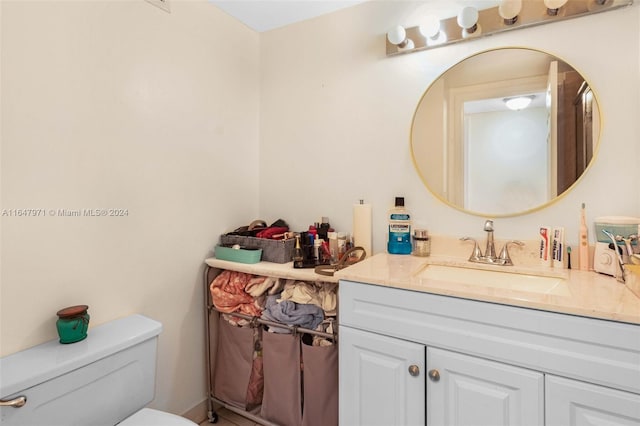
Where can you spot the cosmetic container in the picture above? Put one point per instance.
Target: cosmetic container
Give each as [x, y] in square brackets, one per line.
[421, 243]
[333, 245]
[298, 254]
[342, 244]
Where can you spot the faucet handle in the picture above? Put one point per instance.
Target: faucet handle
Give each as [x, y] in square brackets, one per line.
[503, 257]
[476, 254]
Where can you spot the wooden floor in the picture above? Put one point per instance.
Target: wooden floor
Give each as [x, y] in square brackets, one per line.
[229, 418]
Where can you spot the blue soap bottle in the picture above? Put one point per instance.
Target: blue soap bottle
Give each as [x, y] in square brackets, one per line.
[399, 240]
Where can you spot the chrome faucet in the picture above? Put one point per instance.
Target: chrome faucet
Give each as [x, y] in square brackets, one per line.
[489, 256]
[490, 251]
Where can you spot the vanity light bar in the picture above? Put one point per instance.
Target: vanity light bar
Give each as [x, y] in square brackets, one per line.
[490, 21]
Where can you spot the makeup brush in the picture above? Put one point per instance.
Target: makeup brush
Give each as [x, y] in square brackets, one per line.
[568, 257]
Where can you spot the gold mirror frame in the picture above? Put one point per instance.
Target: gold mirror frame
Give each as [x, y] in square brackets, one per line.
[441, 194]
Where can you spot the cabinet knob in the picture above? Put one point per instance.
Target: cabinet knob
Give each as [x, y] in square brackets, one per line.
[434, 375]
[414, 370]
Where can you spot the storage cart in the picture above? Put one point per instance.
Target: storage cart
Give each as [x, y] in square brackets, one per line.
[233, 352]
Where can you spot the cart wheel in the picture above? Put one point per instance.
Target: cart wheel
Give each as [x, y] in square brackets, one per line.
[213, 418]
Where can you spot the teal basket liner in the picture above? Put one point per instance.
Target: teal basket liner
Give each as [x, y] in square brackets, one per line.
[238, 255]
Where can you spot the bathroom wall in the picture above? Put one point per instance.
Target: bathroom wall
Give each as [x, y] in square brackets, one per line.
[121, 105]
[336, 116]
[118, 104]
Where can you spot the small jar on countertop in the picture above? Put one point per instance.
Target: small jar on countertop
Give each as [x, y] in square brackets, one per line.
[421, 243]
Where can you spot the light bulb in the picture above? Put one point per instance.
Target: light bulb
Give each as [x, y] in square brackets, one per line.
[440, 38]
[430, 27]
[467, 18]
[397, 35]
[509, 10]
[407, 44]
[553, 6]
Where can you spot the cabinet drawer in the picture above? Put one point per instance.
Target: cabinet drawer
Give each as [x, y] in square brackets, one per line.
[592, 350]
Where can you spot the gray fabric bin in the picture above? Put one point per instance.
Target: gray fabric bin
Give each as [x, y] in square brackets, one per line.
[238, 378]
[320, 385]
[276, 251]
[282, 401]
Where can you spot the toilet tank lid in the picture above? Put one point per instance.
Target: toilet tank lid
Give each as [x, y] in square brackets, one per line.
[27, 368]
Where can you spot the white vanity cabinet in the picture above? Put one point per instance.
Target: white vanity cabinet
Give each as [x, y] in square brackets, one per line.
[466, 390]
[573, 403]
[381, 380]
[480, 363]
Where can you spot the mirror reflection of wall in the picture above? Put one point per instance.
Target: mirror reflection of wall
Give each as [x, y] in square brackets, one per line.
[477, 154]
[506, 160]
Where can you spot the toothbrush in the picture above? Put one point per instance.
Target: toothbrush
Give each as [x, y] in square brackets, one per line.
[568, 257]
[618, 253]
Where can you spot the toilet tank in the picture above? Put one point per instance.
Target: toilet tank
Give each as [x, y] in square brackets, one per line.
[98, 381]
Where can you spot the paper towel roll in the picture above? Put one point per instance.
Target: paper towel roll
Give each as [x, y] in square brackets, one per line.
[362, 226]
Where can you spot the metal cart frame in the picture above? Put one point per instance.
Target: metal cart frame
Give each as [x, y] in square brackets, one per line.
[213, 267]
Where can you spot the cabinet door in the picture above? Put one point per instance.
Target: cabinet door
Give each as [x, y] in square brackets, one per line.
[382, 380]
[464, 390]
[574, 403]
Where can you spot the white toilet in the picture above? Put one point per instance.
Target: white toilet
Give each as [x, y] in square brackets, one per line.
[105, 380]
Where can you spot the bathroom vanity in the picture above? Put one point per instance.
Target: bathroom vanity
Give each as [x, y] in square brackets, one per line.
[424, 349]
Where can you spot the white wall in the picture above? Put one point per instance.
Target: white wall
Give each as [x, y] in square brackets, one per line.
[336, 115]
[118, 104]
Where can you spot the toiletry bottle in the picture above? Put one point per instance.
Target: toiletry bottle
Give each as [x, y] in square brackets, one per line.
[342, 244]
[317, 250]
[333, 245]
[399, 241]
[298, 255]
[324, 228]
[583, 244]
[545, 245]
[558, 247]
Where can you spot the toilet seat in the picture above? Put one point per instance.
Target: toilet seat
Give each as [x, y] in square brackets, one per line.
[151, 417]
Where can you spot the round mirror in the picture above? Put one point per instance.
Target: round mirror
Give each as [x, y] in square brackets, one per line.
[505, 132]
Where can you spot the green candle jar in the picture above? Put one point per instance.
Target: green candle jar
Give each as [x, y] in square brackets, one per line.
[72, 323]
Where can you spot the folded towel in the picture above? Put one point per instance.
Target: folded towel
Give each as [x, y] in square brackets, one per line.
[228, 295]
[319, 294]
[258, 285]
[291, 313]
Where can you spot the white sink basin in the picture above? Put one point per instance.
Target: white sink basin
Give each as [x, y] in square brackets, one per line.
[496, 279]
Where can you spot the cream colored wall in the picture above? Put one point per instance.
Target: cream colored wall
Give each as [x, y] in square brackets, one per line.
[118, 104]
[337, 112]
[429, 125]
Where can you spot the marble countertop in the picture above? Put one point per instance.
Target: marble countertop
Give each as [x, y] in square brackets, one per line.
[589, 294]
